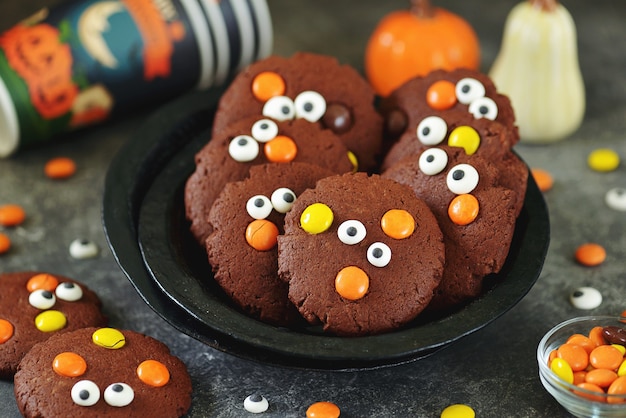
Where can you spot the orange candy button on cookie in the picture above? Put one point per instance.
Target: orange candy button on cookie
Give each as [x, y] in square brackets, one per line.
[11, 215]
[352, 283]
[463, 209]
[441, 95]
[398, 223]
[267, 85]
[153, 373]
[323, 410]
[69, 364]
[60, 168]
[262, 235]
[43, 281]
[590, 254]
[281, 149]
[6, 331]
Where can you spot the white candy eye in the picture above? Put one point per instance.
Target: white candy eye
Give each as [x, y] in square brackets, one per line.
[256, 404]
[119, 394]
[616, 199]
[433, 161]
[243, 148]
[283, 199]
[69, 291]
[468, 90]
[310, 105]
[42, 299]
[259, 207]
[85, 393]
[586, 298]
[462, 179]
[484, 107]
[82, 248]
[351, 232]
[432, 130]
[379, 254]
[264, 130]
[279, 108]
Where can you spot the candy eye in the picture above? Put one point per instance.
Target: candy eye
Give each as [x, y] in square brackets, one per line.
[69, 291]
[310, 105]
[283, 199]
[616, 199]
[484, 107]
[433, 161]
[586, 298]
[119, 394]
[243, 148]
[432, 130]
[82, 248]
[351, 232]
[469, 89]
[42, 299]
[85, 393]
[379, 254]
[280, 108]
[259, 207]
[462, 179]
[264, 130]
[256, 404]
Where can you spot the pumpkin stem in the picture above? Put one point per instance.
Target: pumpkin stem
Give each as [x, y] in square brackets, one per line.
[544, 5]
[423, 8]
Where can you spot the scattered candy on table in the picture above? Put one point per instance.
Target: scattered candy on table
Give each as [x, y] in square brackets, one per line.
[616, 199]
[603, 159]
[12, 215]
[458, 411]
[256, 404]
[323, 410]
[586, 298]
[5, 243]
[83, 248]
[590, 254]
[543, 178]
[60, 168]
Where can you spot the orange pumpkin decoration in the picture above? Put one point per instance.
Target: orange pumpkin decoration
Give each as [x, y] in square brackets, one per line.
[414, 42]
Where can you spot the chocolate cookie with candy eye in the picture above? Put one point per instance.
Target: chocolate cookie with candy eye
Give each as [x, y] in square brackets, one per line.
[362, 254]
[255, 140]
[37, 305]
[95, 372]
[476, 215]
[246, 220]
[312, 87]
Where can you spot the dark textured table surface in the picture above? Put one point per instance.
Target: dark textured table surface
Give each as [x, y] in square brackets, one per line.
[493, 370]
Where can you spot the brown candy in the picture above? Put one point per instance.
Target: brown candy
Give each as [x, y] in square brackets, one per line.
[614, 335]
[337, 118]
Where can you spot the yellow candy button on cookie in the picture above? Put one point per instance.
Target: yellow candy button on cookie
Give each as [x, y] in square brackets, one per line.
[603, 159]
[51, 320]
[108, 338]
[465, 137]
[458, 411]
[316, 218]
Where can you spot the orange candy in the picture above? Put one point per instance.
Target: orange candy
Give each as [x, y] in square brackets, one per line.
[323, 410]
[60, 168]
[441, 95]
[543, 178]
[397, 223]
[69, 364]
[153, 373]
[281, 149]
[595, 335]
[606, 357]
[592, 388]
[463, 209]
[574, 355]
[6, 331]
[352, 283]
[583, 341]
[618, 387]
[5, 243]
[590, 254]
[601, 377]
[11, 215]
[262, 235]
[267, 85]
[42, 281]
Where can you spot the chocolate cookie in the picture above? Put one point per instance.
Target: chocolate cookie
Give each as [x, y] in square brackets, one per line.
[313, 87]
[476, 214]
[35, 306]
[255, 140]
[95, 372]
[246, 218]
[362, 255]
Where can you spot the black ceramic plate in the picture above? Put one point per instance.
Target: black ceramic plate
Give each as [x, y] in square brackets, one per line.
[147, 231]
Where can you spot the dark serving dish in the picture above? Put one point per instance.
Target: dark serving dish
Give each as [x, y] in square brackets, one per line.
[143, 216]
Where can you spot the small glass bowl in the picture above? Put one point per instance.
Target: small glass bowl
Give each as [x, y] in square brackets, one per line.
[570, 396]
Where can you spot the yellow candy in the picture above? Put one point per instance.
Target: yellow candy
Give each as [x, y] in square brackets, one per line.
[316, 218]
[465, 137]
[49, 321]
[354, 161]
[108, 338]
[622, 369]
[562, 369]
[620, 348]
[603, 159]
[458, 411]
